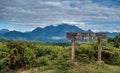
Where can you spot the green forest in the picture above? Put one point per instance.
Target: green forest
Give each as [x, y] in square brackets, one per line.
[34, 57]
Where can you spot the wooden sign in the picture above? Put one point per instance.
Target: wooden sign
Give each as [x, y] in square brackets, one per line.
[85, 36]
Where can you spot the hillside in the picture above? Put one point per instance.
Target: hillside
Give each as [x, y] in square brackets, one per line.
[20, 56]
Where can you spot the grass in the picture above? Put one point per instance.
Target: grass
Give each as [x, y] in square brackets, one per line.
[81, 68]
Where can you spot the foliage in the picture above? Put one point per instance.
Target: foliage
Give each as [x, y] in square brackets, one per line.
[115, 41]
[15, 55]
[111, 54]
[86, 53]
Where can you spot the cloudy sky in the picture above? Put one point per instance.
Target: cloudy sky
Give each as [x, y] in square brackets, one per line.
[24, 15]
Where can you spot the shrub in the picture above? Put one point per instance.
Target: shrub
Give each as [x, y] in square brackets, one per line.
[110, 54]
[85, 53]
[42, 61]
[18, 55]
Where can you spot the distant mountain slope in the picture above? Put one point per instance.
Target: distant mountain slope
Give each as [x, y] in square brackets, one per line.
[14, 35]
[59, 30]
[49, 33]
[111, 34]
[4, 31]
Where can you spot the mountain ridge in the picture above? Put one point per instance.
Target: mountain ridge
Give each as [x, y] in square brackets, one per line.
[48, 33]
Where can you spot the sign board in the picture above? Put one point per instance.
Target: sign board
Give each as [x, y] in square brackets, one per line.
[85, 36]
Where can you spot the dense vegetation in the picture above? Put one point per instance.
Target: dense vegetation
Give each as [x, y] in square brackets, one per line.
[115, 41]
[15, 55]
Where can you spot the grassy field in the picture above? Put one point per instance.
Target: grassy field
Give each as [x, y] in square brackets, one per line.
[83, 68]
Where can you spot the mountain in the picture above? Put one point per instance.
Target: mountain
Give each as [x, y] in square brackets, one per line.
[4, 31]
[59, 30]
[112, 34]
[14, 35]
[47, 34]
[90, 31]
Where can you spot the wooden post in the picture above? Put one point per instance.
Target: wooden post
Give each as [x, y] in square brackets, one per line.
[73, 51]
[99, 51]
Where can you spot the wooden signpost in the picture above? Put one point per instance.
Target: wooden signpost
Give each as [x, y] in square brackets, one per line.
[85, 36]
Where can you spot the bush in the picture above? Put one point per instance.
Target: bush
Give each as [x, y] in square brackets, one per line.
[110, 54]
[85, 53]
[3, 65]
[42, 61]
[16, 54]
[116, 57]
[83, 58]
[115, 40]
[63, 64]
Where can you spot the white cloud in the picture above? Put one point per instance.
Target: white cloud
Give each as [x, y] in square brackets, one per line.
[57, 38]
[53, 3]
[78, 24]
[45, 12]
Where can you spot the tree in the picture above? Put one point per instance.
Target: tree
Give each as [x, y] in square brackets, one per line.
[117, 41]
